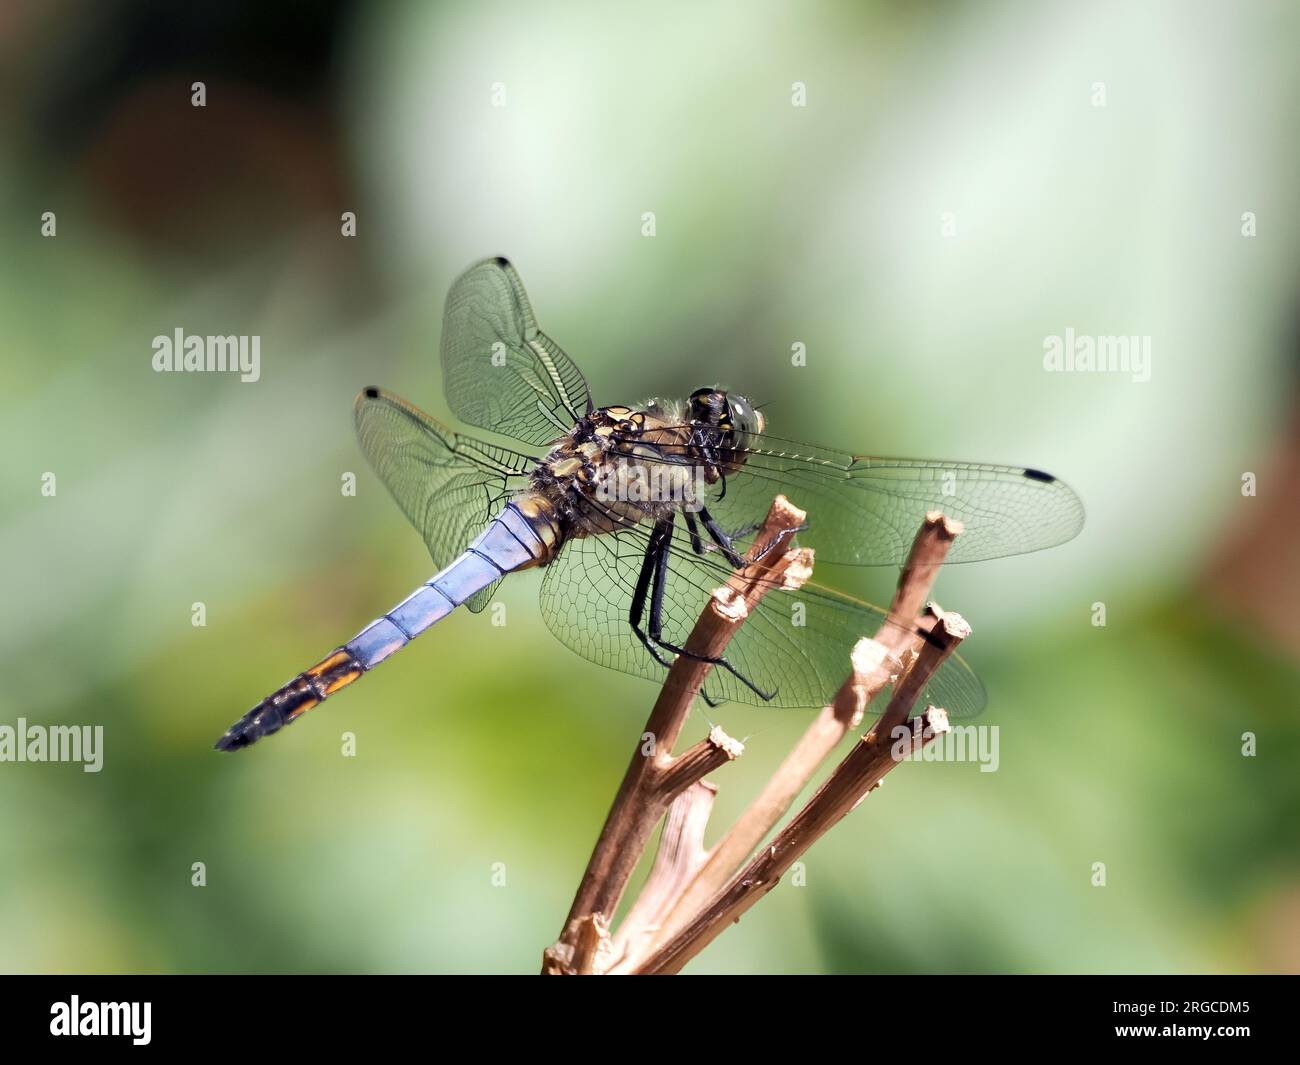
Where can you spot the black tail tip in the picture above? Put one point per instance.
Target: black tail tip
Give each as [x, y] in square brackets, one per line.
[263, 720]
[233, 740]
[243, 733]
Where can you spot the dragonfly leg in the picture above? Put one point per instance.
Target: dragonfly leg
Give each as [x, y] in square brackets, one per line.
[760, 555]
[663, 533]
[650, 567]
[720, 538]
[700, 548]
[718, 661]
[697, 545]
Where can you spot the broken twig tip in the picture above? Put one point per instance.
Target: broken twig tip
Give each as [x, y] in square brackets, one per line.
[786, 514]
[954, 625]
[798, 570]
[732, 748]
[867, 656]
[730, 604]
[936, 720]
[949, 527]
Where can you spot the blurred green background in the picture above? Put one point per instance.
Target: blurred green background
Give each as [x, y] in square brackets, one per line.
[775, 224]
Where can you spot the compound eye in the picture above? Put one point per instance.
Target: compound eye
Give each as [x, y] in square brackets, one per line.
[744, 415]
[703, 404]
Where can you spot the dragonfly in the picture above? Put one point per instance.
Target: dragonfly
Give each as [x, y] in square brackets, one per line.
[635, 514]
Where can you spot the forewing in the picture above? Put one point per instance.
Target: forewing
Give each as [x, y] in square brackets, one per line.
[795, 644]
[501, 372]
[866, 511]
[449, 485]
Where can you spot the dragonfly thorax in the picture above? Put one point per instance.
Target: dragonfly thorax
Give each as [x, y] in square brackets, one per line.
[622, 467]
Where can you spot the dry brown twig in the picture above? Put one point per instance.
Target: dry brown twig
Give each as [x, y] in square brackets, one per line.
[692, 894]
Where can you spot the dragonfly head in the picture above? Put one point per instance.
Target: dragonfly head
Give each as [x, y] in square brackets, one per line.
[728, 411]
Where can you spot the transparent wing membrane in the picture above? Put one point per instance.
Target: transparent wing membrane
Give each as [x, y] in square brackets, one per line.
[449, 485]
[865, 511]
[499, 370]
[795, 644]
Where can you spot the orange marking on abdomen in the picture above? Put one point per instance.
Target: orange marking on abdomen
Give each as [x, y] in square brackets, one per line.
[342, 681]
[338, 658]
[302, 708]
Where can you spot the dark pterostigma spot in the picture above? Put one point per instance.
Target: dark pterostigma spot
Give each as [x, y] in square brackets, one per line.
[1039, 475]
[372, 392]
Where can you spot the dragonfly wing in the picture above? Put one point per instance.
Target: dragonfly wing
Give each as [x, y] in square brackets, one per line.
[866, 511]
[449, 485]
[796, 643]
[500, 372]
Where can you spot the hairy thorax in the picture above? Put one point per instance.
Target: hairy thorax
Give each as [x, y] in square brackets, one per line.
[621, 467]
